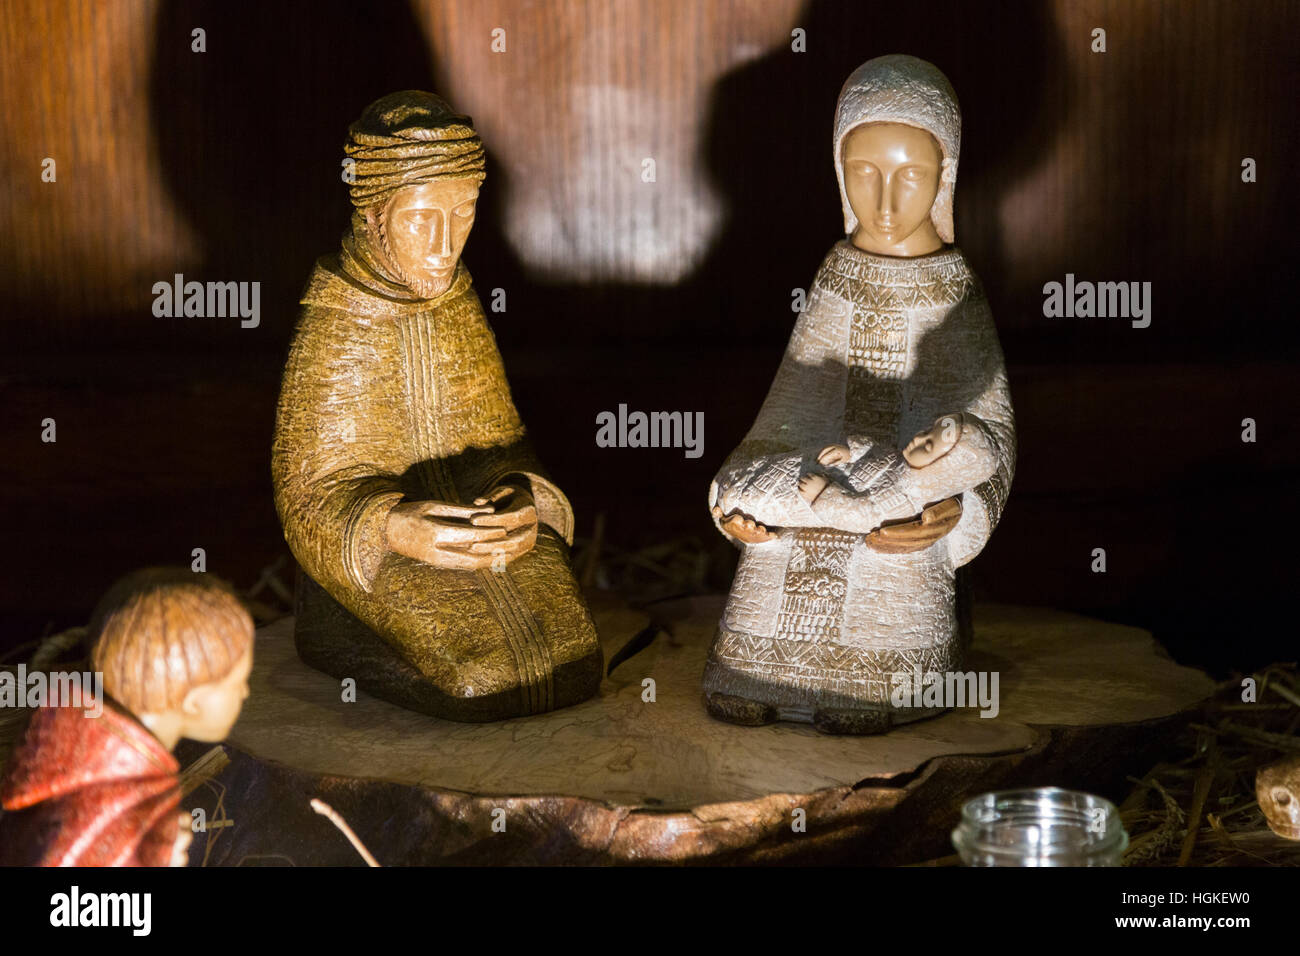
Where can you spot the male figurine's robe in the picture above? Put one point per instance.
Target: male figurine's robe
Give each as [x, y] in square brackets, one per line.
[386, 397]
[817, 619]
[89, 791]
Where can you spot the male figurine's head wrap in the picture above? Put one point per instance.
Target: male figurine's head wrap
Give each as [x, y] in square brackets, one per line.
[902, 89]
[406, 138]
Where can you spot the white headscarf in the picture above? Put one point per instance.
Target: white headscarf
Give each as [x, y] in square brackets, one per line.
[902, 89]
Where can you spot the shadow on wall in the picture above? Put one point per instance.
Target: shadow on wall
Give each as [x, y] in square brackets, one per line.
[769, 134]
[250, 136]
[250, 133]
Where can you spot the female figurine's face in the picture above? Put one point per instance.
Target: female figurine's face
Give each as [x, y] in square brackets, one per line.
[891, 176]
[427, 226]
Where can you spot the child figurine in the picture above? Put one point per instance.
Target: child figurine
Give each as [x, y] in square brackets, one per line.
[849, 553]
[925, 448]
[175, 649]
[853, 467]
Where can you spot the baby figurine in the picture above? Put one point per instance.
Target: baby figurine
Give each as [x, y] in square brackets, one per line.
[175, 649]
[925, 448]
[859, 474]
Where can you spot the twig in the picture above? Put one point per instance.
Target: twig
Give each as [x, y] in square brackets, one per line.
[203, 770]
[325, 810]
[1283, 742]
[1199, 792]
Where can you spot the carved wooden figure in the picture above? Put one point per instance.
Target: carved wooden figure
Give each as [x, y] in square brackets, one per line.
[881, 459]
[175, 649]
[434, 547]
[1277, 787]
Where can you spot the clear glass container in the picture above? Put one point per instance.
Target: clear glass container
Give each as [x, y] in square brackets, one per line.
[1045, 827]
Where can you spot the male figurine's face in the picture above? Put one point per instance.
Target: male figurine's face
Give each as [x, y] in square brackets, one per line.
[427, 225]
[210, 710]
[891, 177]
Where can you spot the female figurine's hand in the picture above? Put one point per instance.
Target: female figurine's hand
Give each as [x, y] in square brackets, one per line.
[496, 528]
[918, 533]
[743, 528]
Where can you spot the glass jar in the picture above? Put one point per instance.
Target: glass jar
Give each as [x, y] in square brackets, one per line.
[1044, 827]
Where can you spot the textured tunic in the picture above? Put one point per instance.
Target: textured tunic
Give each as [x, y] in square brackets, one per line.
[387, 398]
[816, 618]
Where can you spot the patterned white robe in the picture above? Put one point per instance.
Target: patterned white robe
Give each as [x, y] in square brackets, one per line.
[817, 619]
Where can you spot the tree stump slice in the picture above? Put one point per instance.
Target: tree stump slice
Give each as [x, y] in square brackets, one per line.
[617, 779]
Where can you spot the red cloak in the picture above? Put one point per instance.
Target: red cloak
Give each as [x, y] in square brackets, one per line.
[88, 791]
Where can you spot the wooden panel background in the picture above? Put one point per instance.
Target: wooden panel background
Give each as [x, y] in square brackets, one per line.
[224, 165]
[1117, 165]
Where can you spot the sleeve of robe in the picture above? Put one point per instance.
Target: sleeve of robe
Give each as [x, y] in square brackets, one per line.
[980, 467]
[803, 412]
[962, 370]
[332, 462]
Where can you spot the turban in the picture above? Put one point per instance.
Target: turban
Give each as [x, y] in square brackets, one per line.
[902, 89]
[407, 138]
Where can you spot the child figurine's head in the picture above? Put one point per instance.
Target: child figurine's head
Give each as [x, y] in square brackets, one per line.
[935, 442]
[175, 648]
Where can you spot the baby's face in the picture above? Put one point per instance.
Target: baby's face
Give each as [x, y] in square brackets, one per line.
[933, 443]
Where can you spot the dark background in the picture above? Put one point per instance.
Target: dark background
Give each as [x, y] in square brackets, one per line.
[224, 165]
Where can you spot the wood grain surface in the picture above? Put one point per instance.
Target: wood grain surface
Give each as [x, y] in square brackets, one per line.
[619, 780]
[1055, 670]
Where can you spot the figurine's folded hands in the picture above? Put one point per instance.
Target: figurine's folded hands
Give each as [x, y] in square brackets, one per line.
[512, 508]
[499, 526]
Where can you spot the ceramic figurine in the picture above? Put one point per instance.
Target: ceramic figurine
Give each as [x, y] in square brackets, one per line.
[175, 649]
[434, 547]
[1277, 787]
[881, 459]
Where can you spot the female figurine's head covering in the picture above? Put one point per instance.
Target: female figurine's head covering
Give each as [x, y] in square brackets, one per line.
[406, 138]
[902, 89]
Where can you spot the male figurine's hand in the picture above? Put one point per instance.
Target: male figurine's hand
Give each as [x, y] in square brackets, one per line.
[497, 528]
[513, 511]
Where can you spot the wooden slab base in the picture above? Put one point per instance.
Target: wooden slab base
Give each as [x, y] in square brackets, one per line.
[622, 778]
